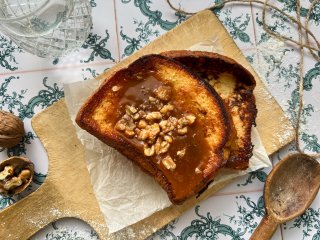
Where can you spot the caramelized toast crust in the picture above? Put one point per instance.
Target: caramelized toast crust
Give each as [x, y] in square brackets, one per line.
[166, 119]
[235, 85]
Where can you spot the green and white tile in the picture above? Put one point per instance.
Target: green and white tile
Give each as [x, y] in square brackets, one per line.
[275, 21]
[66, 229]
[235, 211]
[100, 47]
[279, 68]
[305, 227]
[219, 217]
[18, 98]
[25, 95]
[310, 134]
[251, 182]
[238, 21]
[140, 22]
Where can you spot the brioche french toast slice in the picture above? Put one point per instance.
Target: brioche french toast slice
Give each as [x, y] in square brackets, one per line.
[235, 85]
[165, 119]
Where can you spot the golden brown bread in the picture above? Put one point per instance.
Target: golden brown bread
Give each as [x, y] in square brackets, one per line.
[167, 120]
[235, 85]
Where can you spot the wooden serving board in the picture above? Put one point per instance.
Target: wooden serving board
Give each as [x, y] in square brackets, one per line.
[67, 190]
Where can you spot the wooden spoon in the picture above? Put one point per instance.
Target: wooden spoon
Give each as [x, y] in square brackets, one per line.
[289, 190]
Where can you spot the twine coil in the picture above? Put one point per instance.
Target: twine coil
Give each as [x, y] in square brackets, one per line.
[303, 31]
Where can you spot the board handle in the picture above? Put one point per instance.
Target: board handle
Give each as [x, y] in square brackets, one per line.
[265, 229]
[30, 218]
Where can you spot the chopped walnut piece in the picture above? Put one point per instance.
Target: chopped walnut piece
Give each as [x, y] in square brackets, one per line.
[142, 113]
[143, 135]
[172, 121]
[130, 110]
[166, 108]
[190, 118]
[130, 125]
[153, 116]
[181, 153]
[157, 145]
[129, 133]
[171, 124]
[168, 138]
[116, 88]
[126, 117]
[168, 163]
[164, 147]
[142, 124]
[163, 124]
[153, 130]
[183, 130]
[197, 171]
[137, 131]
[152, 99]
[136, 116]
[163, 93]
[149, 151]
[120, 125]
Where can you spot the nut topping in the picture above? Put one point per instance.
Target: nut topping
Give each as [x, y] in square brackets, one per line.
[183, 131]
[163, 124]
[149, 151]
[142, 124]
[152, 99]
[143, 135]
[130, 110]
[157, 145]
[129, 133]
[152, 123]
[164, 147]
[153, 116]
[121, 125]
[166, 108]
[169, 163]
[154, 130]
[181, 153]
[116, 88]
[190, 118]
[168, 138]
[163, 93]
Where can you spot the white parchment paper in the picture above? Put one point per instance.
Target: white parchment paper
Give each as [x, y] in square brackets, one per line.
[125, 194]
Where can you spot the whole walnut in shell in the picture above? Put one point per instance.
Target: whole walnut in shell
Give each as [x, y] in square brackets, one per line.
[11, 129]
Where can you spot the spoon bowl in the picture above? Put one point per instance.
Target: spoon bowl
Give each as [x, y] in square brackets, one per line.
[289, 190]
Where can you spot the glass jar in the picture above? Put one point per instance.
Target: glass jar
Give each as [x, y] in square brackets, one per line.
[46, 28]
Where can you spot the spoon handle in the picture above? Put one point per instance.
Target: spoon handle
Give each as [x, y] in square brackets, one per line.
[265, 229]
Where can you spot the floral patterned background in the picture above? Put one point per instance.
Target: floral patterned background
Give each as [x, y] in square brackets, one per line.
[29, 84]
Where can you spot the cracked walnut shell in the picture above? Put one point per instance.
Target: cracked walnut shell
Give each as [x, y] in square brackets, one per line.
[11, 129]
[15, 175]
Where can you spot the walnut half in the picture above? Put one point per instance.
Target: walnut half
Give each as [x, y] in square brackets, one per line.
[15, 175]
